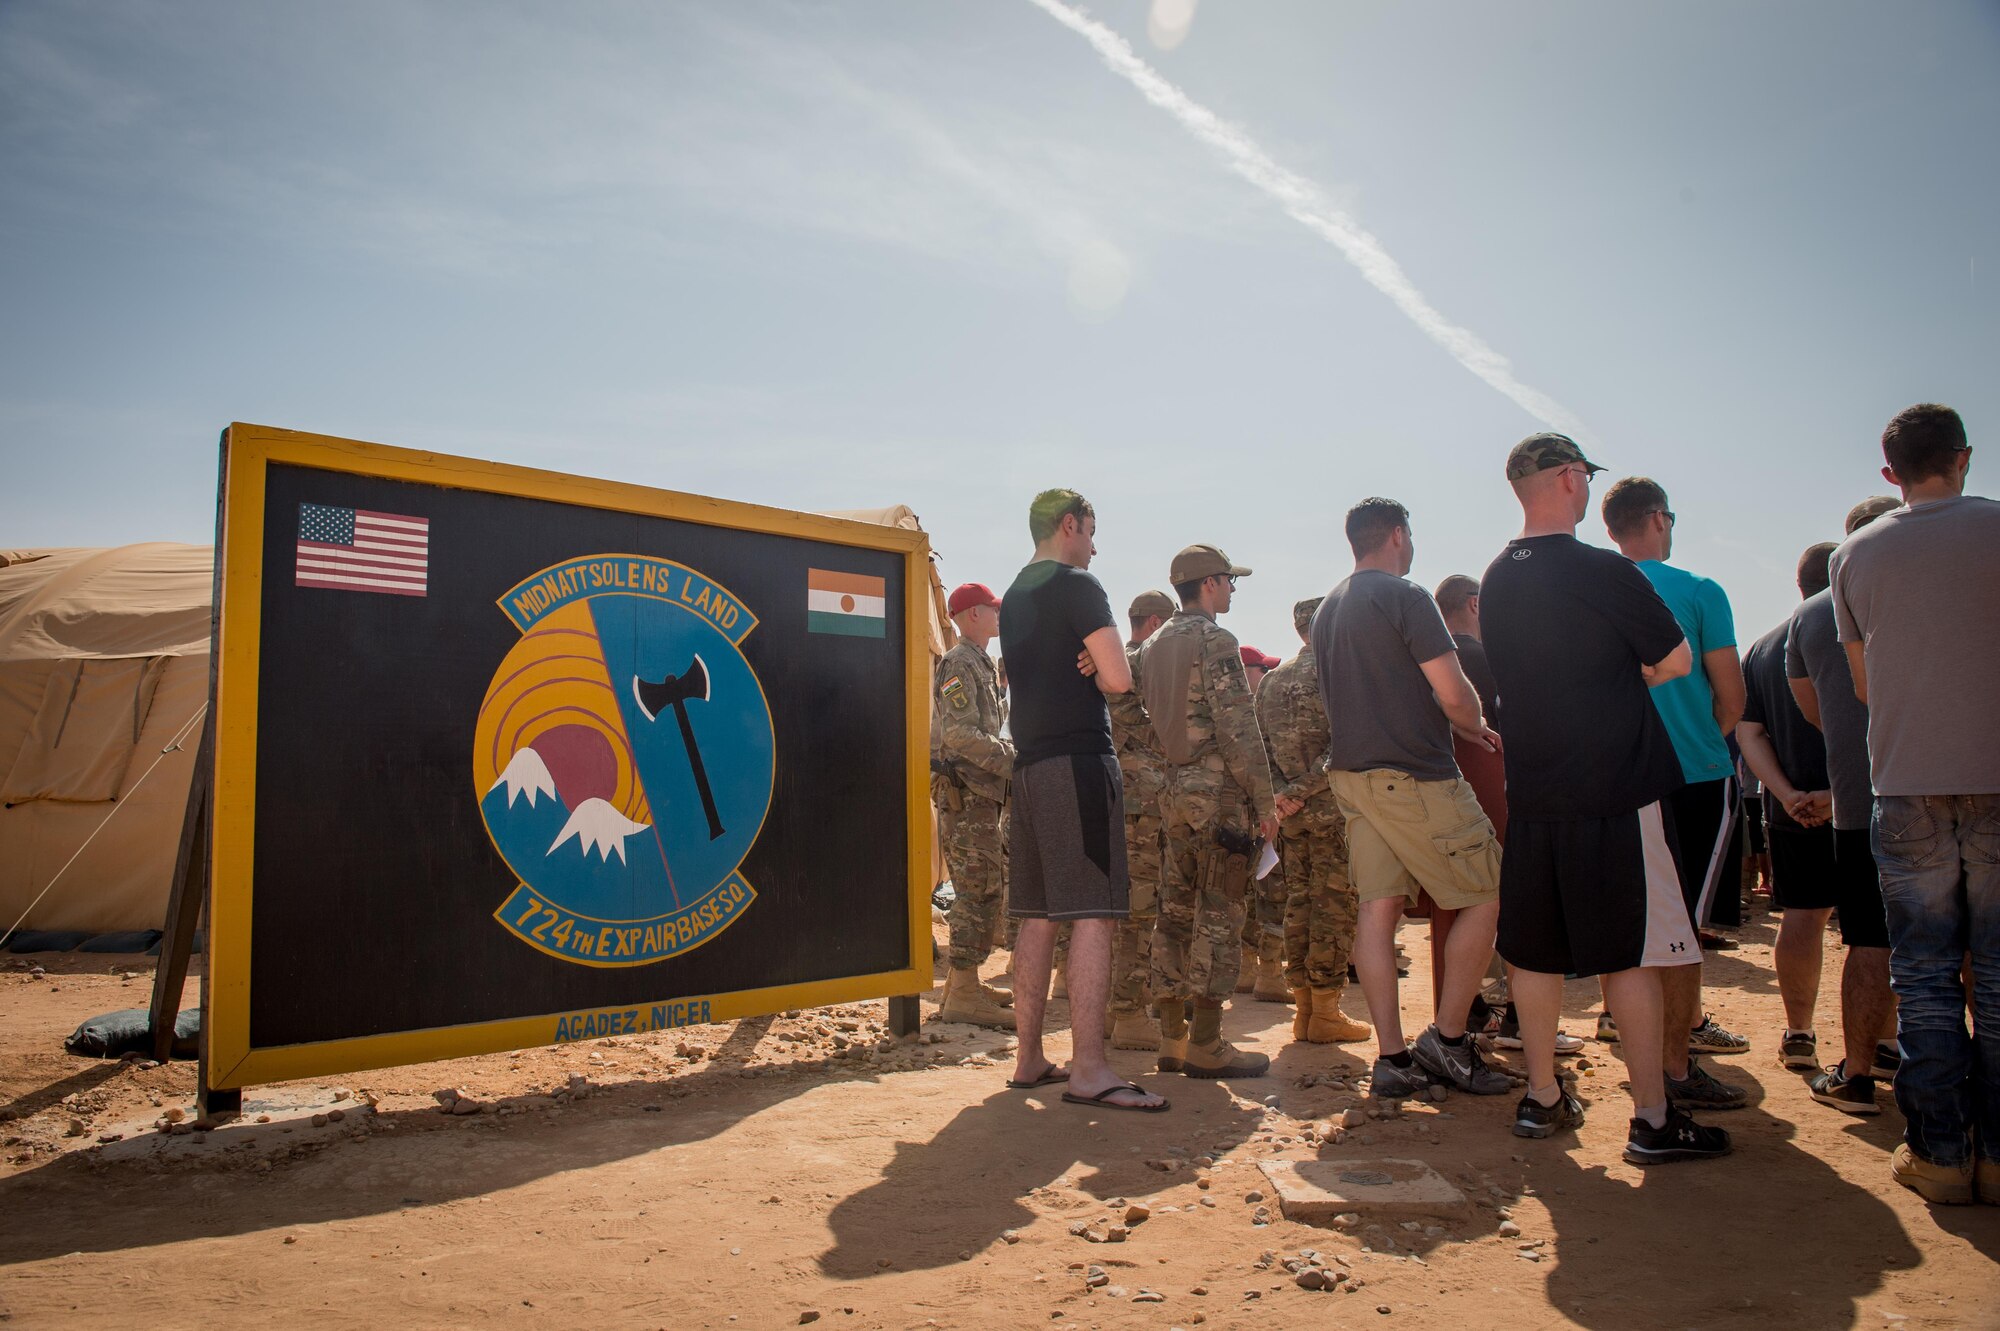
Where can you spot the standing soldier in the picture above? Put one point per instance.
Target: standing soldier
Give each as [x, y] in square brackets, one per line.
[1321, 909]
[1264, 920]
[971, 764]
[1216, 802]
[1132, 1026]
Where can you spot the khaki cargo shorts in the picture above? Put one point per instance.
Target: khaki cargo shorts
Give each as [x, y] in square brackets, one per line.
[1403, 833]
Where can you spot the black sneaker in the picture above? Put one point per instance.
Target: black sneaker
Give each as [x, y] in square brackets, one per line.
[1888, 1061]
[1701, 1089]
[1850, 1095]
[1532, 1118]
[1679, 1138]
[1799, 1050]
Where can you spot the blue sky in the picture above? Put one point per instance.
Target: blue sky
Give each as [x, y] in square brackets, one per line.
[849, 255]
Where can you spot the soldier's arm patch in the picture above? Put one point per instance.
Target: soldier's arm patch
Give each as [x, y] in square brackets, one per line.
[952, 684]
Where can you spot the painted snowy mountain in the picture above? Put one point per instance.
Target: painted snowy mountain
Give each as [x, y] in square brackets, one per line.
[597, 826]
[528, 775]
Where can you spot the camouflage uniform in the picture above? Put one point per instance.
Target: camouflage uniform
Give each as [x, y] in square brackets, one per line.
[1218, 779]
[966, 715]
[1140, 762]
[1321, 909]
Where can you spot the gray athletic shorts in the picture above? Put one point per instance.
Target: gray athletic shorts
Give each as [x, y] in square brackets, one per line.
[1066, 840]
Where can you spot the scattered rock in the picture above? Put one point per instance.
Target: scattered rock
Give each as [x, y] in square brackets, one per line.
[1149, 1296]
[1096, 1278]
[1310, 1278]
[1117, 1234]
[462, 1105]
[108, 1137]
[291, 1238]
[1509, 1230]
[809, 1315]
[75, 1128]
[319, 1120]
[342, 1093]
[174, 1114]
[1010, 1236]
[1253, 1197]
[1352, 1118]
[1137, 1213]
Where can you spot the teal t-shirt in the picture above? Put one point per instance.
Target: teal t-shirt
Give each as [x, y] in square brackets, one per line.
[1687, 704]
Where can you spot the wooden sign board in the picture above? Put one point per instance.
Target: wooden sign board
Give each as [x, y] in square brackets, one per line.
[506, 758]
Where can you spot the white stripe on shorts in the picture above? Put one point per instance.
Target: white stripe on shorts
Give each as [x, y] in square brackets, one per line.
[1725, 833]
[1670, 939]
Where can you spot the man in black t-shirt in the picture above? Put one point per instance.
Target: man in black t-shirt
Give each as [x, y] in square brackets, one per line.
[1066, 831]
[1576, 636]
[1786, 753]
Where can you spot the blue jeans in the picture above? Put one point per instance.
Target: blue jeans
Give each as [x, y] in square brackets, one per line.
[1939, 857]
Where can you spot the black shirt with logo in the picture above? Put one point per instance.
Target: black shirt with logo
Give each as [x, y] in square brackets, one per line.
[1044, 618]
[1566, 627]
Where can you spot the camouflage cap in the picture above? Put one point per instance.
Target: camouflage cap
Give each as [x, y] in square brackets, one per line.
[1152, 603]
[1303, 612]
[1540, 452]
[1203, 561]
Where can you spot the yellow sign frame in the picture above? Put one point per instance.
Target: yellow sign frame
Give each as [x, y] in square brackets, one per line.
[248, 453]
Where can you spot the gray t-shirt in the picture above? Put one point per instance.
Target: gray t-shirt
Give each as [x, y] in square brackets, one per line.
[1813, 651]
[1921, 587]
[1371, 635]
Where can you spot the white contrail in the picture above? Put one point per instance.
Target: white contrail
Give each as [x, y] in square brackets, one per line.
[1302, 200]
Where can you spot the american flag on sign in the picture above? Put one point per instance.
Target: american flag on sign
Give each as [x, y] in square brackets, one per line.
[358, 551]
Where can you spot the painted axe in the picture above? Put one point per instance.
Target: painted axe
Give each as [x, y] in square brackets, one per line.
[675, 691]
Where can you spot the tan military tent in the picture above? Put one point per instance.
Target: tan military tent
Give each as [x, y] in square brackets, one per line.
[103, 661]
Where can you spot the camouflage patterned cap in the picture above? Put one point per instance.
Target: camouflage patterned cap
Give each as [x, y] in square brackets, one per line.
[1203, 561]
[1540, 452]
[1303, 612]
[1152, 603]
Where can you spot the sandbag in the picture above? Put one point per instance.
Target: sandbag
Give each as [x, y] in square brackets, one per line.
[132, 940]
[46, 940]
[115, 1034]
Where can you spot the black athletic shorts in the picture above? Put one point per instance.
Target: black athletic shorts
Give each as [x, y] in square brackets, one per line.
[1702, 824]
[1066, 840]
[1592, 896]
[1802, 872]
[1863, 919]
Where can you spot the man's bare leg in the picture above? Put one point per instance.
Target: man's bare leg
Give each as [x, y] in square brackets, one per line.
[1797, 955]
[1680, 989]
[1638, 1000]
[1867, 1006]
[1538, 1008]
[1375, 966]
[1468, 948]
[1034, 953]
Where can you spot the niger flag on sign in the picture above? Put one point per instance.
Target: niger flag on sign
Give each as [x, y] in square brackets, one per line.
[846, 603]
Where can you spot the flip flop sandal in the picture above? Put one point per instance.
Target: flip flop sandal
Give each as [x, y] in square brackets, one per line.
[1100, 1102]
[1052, 1077]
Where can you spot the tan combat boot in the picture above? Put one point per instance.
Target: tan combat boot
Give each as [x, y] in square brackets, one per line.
[1270, 983]
[1209, 1055]
[997, 997]
[1173, 1034]
[1934, 1183]
[1332, 1026]
[1302, 1010]
[963, 1002]
[1986, 1176]
[1134, 1030]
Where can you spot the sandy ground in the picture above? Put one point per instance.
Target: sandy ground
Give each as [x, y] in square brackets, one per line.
[807, 1168]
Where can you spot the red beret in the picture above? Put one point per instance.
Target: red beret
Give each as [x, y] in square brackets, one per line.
[970, 594]
[1252, 657]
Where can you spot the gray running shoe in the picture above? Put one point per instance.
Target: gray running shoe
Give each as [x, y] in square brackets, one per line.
[1799, 1050]
[1388, 1082]
[1850, 1095]
[1460, 1065]
[1709, 1038]
[1700, 1089]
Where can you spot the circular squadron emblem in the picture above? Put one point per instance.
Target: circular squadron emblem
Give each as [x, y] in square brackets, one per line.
[623, 759]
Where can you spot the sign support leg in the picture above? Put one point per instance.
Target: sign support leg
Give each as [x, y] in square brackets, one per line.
[185, 900]
[905, 1015]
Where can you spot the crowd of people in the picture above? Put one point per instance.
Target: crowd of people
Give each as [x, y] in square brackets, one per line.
[1549, 760]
